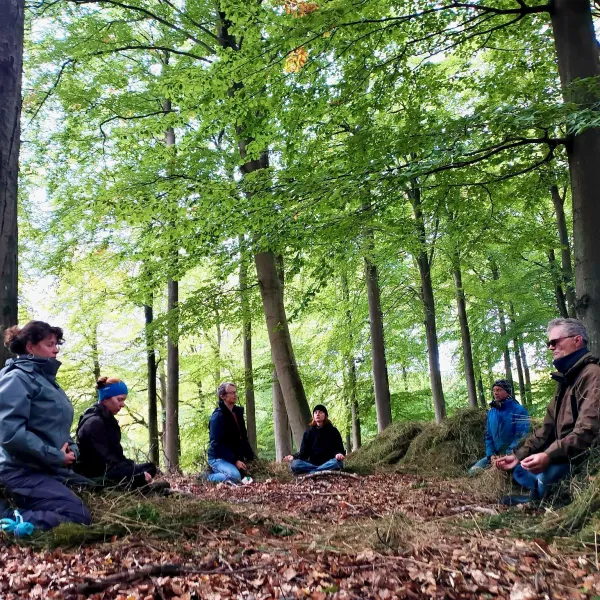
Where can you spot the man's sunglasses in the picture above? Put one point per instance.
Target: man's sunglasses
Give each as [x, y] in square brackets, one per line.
[554, 342]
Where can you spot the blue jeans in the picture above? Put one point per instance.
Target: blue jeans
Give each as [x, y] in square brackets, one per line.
[301, 466]
[223, 471]
[541, 483]
[43, 500]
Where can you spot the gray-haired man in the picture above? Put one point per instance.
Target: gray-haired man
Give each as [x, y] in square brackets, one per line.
[572, 421]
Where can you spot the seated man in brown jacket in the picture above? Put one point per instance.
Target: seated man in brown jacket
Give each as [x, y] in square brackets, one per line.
[572, 421]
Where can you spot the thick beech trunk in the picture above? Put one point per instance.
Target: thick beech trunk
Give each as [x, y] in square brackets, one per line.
[247, 347]
[559, 293]
[437, 391]
[11, 67]
[565, 249]
[154, 453]
[282, 352]
[379, 363]
[577, 53]
[281, 424]
[465, 333]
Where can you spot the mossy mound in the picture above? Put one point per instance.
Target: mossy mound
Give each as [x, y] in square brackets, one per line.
[449, 448]
[387, 448]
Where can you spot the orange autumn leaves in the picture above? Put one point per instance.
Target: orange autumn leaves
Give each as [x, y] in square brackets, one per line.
[297, 58]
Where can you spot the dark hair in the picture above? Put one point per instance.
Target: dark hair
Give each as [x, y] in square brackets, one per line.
[313, 424]
[104, 381]
[16, 338]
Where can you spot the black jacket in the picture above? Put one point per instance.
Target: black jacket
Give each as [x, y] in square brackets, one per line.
[99, 438]
[320, 444]
[228, 438]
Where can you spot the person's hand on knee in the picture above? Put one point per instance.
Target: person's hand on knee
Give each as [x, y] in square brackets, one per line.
[147, 477]
[288, 458]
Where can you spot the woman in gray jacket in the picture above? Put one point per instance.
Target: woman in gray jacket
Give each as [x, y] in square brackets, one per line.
[36, 449]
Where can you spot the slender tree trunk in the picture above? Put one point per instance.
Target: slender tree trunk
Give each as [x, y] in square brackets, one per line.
[528, 398]
[217, 350]
[281, 424]
[281, 345]
[355, 418]
[465, 333]
[481, 391]
[516, 343]
[172, 434]
[502, 322]
[151, 373]
[558, 289]
[577, 53]
[405, 378]
[11, 68]
[247, 346]
[437, 391]
[162, 380]
[380, 374]
[565, 249]
[95, 355]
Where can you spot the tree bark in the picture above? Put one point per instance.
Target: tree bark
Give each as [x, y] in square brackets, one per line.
[379, 364]
[481, 390]
[281, 344]
[172, 417]
[565, 249]
[95, 355]
[577, 53]
[281, 424]
[465, 333]
[11, 69]
[247, 346]
[154, 453]
[437, 391]
[516, 343]
[559, 293]
[528, 398]
[502, 322]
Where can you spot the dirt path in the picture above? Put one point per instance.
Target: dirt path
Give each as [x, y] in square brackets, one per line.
[391, 536]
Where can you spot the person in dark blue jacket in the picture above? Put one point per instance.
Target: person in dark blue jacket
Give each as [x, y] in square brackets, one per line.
[322, 448]
[507, 423]
[229, 448]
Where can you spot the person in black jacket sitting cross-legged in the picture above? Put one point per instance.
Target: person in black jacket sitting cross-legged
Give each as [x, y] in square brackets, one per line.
[229, 448]
[99, 438]
[322, 448]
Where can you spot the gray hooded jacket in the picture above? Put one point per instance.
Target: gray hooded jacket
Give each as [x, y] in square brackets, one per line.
[35, 416]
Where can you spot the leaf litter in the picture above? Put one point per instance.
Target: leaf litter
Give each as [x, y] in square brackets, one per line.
[380, 537]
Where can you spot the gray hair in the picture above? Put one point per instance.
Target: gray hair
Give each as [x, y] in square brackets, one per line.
[571, 327]
[222, 389]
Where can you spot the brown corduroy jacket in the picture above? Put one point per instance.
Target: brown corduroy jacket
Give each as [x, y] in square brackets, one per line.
[572, 422]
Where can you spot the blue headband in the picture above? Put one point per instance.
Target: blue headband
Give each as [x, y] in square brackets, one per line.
[112, 389]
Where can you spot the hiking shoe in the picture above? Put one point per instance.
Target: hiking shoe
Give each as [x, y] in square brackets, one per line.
[203, 476]
[516, 499]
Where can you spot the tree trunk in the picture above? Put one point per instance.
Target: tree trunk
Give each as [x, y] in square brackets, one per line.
[281, 424]
[11, 69]
[380, 374]
[502, 321]
[565, 249]
[281, 345]
[355, 418]
[481, 390]
[465, 333]
[172, 433]
[151, 373]
[95, 355]
[217, 350]
[516, 344]
[162, 380]
[247, 346]
[577, 53]
[528, 397]
[437, 391]
[558, 289]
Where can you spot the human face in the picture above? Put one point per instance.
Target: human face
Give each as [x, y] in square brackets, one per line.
[115, 403]
[230, 397]
[319, 417]
[47, 348]
[561, 344]
[499, 393]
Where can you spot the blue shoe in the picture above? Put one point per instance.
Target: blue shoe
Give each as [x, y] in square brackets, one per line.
[516, 499]
[17, 526]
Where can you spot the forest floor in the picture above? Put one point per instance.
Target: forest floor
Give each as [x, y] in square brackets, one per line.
[378, 536]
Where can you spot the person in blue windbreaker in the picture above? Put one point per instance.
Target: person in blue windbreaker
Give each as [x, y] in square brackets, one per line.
[507, 423]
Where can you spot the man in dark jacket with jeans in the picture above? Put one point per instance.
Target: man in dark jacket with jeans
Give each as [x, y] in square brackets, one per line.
[572, 421]
[229, 448]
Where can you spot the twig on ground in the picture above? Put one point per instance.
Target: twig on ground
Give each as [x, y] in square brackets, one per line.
[473, 508]
[321, 473]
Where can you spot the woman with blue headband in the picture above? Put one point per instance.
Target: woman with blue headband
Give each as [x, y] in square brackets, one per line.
[99, 439]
